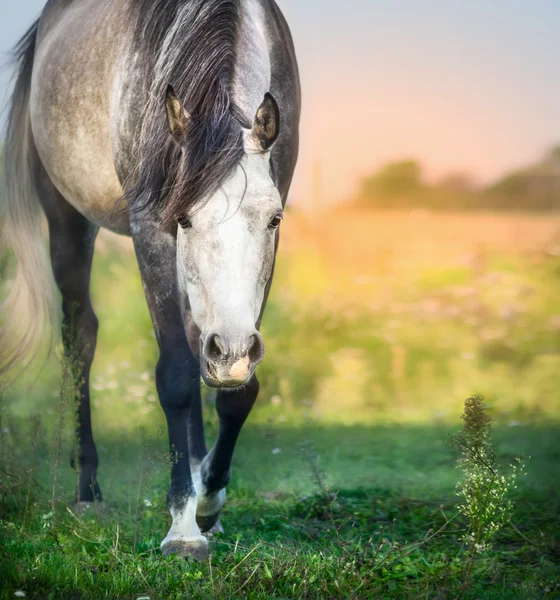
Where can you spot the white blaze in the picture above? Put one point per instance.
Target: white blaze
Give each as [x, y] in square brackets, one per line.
[225, 259]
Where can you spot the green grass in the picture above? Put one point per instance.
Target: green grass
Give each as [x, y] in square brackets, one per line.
[348, 445]
[286, 535]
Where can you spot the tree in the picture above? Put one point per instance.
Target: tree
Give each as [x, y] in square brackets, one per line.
[393, 180]
[457, 181]
[536, 187]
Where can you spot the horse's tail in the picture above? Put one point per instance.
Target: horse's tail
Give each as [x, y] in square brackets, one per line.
[29, 310]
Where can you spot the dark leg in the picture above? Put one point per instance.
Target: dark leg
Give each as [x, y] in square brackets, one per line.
[233, 409]
[178, 383]
[197, 442]
[72, 240]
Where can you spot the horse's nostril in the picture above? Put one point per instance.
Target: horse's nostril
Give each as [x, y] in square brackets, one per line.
[214, 348]
[256, 348]
[219, 352]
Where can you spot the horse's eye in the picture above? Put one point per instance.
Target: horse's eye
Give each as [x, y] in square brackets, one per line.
[275, 223]
[184, 223]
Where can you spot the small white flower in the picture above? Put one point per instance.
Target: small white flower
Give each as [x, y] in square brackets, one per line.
[276, 451]
[147, 502]
[19, 594]
[138, 391]
[276, 400]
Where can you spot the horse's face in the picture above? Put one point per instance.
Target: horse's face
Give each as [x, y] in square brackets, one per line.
[224, 260]
[225, 257]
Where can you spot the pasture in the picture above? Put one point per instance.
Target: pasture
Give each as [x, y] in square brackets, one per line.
[379, 326]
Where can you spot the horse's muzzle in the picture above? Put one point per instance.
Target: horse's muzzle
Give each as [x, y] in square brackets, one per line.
[230, 363]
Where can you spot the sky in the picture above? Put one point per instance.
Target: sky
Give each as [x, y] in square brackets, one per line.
[462, 85]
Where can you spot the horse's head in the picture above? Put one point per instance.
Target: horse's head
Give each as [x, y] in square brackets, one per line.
[225, 254]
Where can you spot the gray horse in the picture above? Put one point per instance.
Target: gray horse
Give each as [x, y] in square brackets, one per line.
[174, 122]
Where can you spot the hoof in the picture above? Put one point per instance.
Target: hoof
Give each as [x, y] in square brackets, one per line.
[216, 528]
[210, 524]
[196, 548]
[81, 509]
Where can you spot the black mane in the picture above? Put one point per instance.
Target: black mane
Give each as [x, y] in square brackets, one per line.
[190, 45]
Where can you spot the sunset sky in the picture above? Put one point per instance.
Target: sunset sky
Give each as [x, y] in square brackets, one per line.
[462, 85]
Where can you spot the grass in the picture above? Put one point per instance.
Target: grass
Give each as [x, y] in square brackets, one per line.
[285, 535]
[370, 356]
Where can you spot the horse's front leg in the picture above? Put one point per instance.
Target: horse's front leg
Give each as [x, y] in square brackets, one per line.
[233, 408]
[178, 384]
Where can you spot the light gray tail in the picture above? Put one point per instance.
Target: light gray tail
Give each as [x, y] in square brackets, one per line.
[29, 311]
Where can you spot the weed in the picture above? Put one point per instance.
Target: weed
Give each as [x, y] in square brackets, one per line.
[483, 490]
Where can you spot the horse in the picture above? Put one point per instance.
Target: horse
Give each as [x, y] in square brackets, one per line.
[174, 122]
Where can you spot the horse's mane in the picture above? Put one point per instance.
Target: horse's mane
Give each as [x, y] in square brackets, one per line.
[190, 45]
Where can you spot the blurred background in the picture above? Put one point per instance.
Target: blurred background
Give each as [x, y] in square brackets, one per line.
[420, 259]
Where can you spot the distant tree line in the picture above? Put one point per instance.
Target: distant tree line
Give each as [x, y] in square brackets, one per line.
[402, 185]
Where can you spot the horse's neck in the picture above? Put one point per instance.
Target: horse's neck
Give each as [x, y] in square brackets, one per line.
[253, 69]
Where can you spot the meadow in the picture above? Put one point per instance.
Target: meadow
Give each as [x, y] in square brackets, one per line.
[380, 325]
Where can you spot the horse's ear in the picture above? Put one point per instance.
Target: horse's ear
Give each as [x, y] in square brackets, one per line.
[177, 116]
[266, 127]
